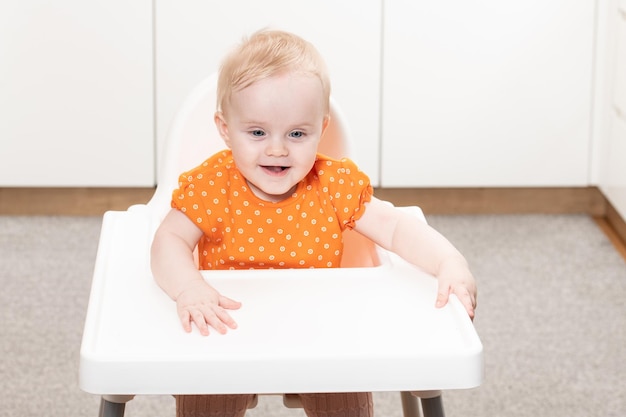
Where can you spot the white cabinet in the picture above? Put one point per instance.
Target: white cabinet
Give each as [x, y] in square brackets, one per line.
[618, 96]
[486, 93]
[613, 101]
[615, 185]
[193, 36]
[472, 94]
[76, 93]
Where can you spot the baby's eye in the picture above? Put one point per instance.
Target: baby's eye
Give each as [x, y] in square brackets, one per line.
[257, 133]
[296, 134]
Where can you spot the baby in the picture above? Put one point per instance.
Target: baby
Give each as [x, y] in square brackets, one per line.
[271, 201]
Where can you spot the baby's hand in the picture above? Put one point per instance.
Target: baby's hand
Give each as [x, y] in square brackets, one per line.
[455, 278]
[203, 305]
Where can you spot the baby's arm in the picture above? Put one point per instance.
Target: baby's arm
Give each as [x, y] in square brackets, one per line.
[175, 271]
[420, 244]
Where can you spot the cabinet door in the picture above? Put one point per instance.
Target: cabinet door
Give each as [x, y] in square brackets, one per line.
[486, 92]
[76, 103]
[614, 181]
[618, 75]
[193, 36]
[615, 185]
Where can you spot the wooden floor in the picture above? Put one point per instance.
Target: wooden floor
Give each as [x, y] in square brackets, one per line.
[587, 200]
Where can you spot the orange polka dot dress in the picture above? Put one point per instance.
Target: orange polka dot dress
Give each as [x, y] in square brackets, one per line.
[242, 231]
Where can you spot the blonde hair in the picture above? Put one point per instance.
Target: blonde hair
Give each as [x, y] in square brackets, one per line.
[267, 53]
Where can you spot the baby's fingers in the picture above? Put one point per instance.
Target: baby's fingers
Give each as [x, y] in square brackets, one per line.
[185, 320]
[443, 294]
[225, 319]
[229, 303]
[464, 295]
[189, 317]
[196, 316]
[467, 299]
[202, 320]
[215, 317]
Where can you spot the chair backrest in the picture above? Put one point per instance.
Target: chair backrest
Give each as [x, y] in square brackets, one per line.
[193, 137]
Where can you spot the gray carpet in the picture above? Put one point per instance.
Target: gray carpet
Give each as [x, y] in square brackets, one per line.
[552, 318]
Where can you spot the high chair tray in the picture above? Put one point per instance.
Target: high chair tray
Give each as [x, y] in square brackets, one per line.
[305, 330]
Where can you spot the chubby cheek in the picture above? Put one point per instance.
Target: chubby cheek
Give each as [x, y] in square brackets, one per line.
[312, 153]
[244, 150]
[311, 160]
[245, 161]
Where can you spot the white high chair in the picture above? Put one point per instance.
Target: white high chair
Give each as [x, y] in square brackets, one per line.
[368, 326]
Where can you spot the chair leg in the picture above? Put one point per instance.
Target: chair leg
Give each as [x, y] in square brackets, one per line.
[410, 406]
[114, 405]
[433, 407]
[111, 409]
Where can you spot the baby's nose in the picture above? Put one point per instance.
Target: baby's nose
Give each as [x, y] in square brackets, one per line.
[276, 147]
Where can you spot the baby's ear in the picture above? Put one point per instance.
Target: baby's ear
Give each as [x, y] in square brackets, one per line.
[222, 127]
[325, 123]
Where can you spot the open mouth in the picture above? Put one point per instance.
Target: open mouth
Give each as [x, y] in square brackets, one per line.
[274, 169]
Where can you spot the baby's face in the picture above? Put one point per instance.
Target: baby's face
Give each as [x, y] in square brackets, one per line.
[273, 128]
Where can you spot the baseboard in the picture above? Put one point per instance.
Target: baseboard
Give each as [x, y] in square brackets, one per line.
[95, 201]
[618, 225]
[587, 200]
[70, 201]
[565, 200]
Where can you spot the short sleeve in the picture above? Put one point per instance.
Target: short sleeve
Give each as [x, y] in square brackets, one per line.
[196, 195]
[347, 187]
[187, 199]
